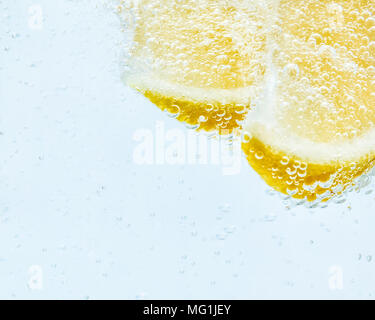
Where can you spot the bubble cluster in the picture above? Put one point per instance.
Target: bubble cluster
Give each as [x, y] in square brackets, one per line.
[313, 182]
[204, 44]
[326, 58]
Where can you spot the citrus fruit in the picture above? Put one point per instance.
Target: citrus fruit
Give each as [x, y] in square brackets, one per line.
[302, 73]
[200, 60]
[312, 131]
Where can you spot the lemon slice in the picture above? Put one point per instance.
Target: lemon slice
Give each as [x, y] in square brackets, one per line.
[200, 60]
[312, 131]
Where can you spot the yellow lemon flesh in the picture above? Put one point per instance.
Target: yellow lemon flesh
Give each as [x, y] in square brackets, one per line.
[200, 60]
[312, 131]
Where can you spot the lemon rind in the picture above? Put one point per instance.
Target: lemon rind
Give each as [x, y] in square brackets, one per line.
[283, 142]
[149, 82]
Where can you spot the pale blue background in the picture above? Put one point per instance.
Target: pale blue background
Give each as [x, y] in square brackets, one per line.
[73, 202]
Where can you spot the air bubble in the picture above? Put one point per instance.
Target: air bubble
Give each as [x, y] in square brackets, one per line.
[246, 137]
[284, 161]
[292, 70]
[202, 119]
